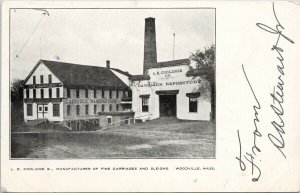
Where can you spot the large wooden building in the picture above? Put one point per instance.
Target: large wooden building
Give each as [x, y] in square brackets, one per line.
[77, 96]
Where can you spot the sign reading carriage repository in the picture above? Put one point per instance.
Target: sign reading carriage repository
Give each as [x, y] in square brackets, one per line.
[150, 84]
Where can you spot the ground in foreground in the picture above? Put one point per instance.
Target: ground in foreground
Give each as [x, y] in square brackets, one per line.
[161, 138]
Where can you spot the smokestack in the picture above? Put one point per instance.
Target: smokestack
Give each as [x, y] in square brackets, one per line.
[107, 64]
[150, 56]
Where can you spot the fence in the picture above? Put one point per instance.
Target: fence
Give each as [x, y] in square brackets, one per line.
[129, 121]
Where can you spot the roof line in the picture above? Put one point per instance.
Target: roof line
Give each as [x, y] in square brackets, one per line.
[74, 64]
[32, 71]
[121, 72]
[174, 60]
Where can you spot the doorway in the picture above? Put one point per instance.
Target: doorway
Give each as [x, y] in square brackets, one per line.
[167, 105]
[42, 110]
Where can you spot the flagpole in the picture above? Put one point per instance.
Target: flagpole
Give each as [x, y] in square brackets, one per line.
[173, 46]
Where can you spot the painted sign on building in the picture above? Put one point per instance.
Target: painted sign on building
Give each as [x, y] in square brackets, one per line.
[87, 100]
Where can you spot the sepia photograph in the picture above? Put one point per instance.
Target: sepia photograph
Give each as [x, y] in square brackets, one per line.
[112, 83]
[149, 96]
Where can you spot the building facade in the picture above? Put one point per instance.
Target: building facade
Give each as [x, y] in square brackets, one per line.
[164, 89]
[167, 91]
[80, 97]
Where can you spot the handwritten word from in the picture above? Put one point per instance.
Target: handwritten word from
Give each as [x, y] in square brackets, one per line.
[250, 157]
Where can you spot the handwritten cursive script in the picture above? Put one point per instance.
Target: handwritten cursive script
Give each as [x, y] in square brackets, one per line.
[250, 157]
[277, 94]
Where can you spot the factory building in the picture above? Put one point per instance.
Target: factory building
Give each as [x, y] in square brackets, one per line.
[164, 90]
[80, 97]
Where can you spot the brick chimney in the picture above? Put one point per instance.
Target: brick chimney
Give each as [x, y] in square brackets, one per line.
[150, 55]
[107, 63]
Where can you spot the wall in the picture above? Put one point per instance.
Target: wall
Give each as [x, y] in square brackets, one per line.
[91, 101]
[172, 78]
[48, 115]
[43, 70]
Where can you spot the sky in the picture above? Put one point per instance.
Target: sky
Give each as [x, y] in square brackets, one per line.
[92, 36]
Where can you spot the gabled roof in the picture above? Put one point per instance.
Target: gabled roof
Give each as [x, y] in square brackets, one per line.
[76, 75]
[171, 63]
[125, 73]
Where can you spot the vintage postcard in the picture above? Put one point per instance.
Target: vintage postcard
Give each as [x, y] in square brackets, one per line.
[150, 96]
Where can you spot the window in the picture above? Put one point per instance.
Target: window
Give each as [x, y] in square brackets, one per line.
[145, 104]
[95, 109]
[68, 110]
[29, 109]
[34, 93]
[33, 80]
[50, 92]
[69, 125]
[95, 93]
[127, 120]
[86, 93]
[129, 93]
[109, 120]
[86, 109]
[57, 92]
[110, 107]
[102, 93]
[193, 104]
[117, 94]
[42, 93]
[124, 93]
[77, 110]
[55, 110]
[117, 107]
[46, 108]
[50, 78]
[68, 93]
[41, 79]
[103, 108]
[27, 93]
[77, 93]
[110, 94]
[77, 125]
